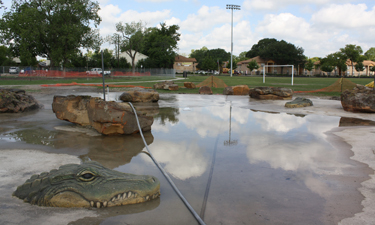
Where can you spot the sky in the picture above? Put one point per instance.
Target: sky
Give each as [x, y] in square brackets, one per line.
[320, 27]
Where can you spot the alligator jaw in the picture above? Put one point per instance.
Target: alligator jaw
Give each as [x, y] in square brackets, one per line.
[124, 199]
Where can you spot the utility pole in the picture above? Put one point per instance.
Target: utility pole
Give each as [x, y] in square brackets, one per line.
[231, 7]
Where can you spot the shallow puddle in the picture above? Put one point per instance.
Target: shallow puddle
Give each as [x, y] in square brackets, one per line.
[233, 165]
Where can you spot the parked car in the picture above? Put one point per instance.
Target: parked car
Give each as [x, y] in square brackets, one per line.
[98, 71]
[14, 70]
[201, 72]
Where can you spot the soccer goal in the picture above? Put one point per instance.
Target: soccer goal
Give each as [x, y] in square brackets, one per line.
[264, 71]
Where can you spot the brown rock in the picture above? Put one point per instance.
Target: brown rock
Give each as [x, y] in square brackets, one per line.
[205, 90]
[140, 96]
[107, 118]
[360, 99]
[173, 87]
[228, 91]
[189, 85]
[16, 100]
[241, 90]
[271, 93]
[71, 108]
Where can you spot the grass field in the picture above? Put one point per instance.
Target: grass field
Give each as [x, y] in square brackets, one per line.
[300, 83]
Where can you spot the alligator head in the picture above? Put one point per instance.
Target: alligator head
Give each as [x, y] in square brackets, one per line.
[87, 185]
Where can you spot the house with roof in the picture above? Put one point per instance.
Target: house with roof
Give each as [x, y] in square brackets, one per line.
[182, 63]
[242, 66]
[368, 64]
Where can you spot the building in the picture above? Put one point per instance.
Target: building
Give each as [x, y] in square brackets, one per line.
[368, 64]
[242, 67]
[181, 64]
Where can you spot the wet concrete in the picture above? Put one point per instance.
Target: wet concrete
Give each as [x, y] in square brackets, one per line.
[233, 160]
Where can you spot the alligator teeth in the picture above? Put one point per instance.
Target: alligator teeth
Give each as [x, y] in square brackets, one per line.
[130, 194]
[147, 198]
[135, 195]
[124, 196]
[105, 204]
[113, 199]
[98, 205]
[119, 197]
[92, 204]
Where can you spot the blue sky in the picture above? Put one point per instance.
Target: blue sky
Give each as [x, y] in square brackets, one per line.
[320, 27]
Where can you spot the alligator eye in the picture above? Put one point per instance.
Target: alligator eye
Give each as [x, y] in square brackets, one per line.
[87, 176]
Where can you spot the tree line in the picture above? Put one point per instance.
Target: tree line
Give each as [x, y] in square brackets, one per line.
[61, 30]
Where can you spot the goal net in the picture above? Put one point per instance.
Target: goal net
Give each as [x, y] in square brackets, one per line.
[273, 66]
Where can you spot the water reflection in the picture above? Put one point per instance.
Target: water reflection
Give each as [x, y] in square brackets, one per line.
[110, 151]
[282, 169]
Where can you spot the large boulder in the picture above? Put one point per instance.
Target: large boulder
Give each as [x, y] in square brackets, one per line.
[173, 87]
[16, 100]
[205, 90]
[299, 103]
[236, 90]
[107, 117]
[241, 90]
[189, 85]
[359, 99]
[140, 96]
[271, 93]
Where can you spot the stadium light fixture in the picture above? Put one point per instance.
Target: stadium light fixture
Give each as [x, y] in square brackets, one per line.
[232, 7]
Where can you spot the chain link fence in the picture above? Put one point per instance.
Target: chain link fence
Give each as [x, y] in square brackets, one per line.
[28, 71]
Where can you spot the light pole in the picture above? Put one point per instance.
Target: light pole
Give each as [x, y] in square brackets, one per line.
[235, 7]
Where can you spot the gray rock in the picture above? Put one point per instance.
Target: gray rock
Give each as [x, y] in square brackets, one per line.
[299, 103]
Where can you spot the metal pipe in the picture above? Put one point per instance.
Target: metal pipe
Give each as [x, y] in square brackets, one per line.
[197, 217]
[103, 76]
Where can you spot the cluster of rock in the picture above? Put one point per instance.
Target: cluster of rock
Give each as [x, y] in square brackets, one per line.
[359, 99]
[16, 100]
[271, 93]
[166, 85]
[106, 117]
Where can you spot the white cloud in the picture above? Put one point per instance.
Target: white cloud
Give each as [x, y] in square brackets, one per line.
[182, 160]
[347, 16]
[205, 19]
[272, 5]
[112, 14]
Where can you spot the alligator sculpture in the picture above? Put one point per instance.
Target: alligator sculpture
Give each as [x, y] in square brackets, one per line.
[87, 185]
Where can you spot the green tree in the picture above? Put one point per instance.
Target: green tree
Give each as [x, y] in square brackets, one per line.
[215, 54]
[353, 53]
[208, 64]
[282, 52]
[359, 67]
[242, 56]
[253, 65]
[95, 60]
[309, 66]
[53, 29]
[132, 38]
[334, 61]
[370, 54]
[115, 39]
[160, 45]
[262, 45]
